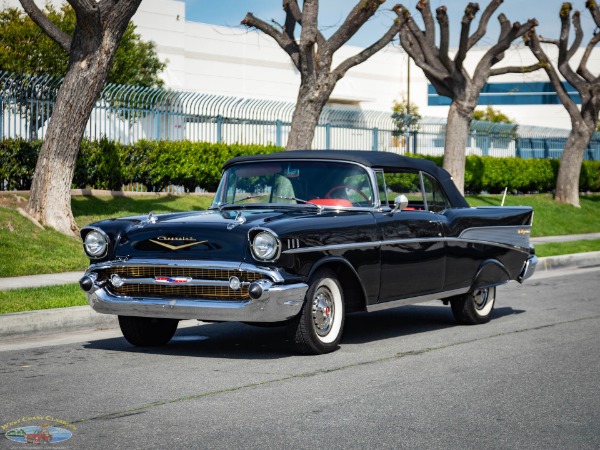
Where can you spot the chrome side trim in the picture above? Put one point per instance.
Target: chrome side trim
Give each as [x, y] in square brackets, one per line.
[217, 265]
[517, 235]
[413, 300]
[321, 248]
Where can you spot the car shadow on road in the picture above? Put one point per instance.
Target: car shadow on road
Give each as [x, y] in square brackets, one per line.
[242, 341]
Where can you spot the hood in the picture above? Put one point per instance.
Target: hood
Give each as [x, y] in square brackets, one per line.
[205, 235]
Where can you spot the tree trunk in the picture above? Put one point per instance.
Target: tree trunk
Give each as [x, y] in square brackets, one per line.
[50, 200]
[457, 132]
[567, 182]
[306, 115]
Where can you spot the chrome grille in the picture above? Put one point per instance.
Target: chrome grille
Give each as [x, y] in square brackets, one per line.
[178, 291]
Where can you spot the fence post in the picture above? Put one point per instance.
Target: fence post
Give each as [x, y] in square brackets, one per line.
[414, 136]
[485, 147]
[278, 127]
[327, 136]
[375, 139]
[546, 148]
[219, 128]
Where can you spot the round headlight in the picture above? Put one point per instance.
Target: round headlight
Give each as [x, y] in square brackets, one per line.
[95, 244]
[265, 246]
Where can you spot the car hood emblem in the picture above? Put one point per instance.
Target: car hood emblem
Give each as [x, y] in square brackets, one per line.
[168, 242]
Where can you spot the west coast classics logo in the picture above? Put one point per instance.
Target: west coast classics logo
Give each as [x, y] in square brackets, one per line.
[38, 430]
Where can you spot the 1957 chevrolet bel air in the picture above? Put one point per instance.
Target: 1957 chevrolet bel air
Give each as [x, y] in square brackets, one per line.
[301, 238]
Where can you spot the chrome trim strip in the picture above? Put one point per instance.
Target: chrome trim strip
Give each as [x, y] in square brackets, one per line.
[517, 235]
[216, 265]
[413, 300]
[192, 282]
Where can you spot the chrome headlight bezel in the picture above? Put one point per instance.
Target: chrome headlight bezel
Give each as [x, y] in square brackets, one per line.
[95, 243]
[264, 245]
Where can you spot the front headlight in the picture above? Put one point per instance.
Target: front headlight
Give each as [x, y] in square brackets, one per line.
[95, 244]
[265, 246]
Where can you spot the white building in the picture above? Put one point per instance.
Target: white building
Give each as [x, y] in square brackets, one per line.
[246, 63]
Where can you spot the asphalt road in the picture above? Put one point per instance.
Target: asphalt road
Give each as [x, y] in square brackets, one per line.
[405, 378]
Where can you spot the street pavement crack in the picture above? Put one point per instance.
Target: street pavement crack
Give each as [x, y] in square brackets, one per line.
[142, 408]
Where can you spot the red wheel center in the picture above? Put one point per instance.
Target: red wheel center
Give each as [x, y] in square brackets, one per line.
[327, 311]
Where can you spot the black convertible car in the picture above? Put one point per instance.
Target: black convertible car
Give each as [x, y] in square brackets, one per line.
[302, 238]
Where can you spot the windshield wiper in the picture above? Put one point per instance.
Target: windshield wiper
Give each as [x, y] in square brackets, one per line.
[222, 205]
[305, 202]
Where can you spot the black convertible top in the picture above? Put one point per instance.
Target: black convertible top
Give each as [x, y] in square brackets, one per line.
[389, 162]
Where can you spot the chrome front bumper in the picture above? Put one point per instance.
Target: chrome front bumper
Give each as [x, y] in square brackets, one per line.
[279, 304]
[274, 302]
[528, 268]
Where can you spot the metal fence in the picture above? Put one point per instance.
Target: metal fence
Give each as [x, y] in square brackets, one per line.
[130, 113]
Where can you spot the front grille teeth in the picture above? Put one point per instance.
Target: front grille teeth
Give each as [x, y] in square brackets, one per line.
[146, 286]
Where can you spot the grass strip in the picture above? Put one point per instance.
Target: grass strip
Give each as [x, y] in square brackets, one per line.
[566, 248]
[31, 299]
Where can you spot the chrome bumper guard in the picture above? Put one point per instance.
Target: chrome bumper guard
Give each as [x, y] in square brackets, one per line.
[528, 268]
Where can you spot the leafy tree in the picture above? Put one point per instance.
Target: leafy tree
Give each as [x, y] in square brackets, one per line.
[448, 76]
[99, 27]
[584, 119]
[26, 49]
[490, 114]
[313, 55]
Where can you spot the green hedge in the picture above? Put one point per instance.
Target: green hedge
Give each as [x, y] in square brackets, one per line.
[158, 164]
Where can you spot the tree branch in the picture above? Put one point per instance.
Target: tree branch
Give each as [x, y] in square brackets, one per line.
[361, 57]
[563, 52]
[362, 12]
[578, 35]
[463, 46]
[430, 52]
[594, 9]
[483, 22]
[533, 42]
[516, 69]
[288, 45]
[293, 12]
[425, 10]
[582, 69]
[442, 19]
[55, 33]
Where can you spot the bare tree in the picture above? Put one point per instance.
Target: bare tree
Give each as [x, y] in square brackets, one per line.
[312, 55]
[584, 120]
[98, 31]
[449, 77]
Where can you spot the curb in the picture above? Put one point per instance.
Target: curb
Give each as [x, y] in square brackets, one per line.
[50, 321]
[31, 323]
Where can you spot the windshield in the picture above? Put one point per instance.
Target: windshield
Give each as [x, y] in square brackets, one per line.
[319, 183]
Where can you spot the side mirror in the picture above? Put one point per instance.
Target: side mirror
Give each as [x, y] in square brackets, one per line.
[400, 202]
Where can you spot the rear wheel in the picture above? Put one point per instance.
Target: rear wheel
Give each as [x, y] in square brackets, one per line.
[147, 331]
[318, 327]
[474, 307]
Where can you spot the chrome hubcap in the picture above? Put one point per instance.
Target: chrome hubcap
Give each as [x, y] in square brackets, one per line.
[480, 298]
[323, 311]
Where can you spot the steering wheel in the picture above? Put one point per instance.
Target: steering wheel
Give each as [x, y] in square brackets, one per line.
[345, 186]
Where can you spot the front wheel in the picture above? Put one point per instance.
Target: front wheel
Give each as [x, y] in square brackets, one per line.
[318, 327]
[474, 307]
[147, 331]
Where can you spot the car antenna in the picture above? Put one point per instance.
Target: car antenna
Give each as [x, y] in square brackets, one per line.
[504, 196]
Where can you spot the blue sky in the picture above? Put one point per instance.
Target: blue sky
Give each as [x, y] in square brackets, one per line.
[333, 12]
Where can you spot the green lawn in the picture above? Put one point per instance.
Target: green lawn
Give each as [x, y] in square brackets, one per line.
[551, 218]
[31, 299]
[565, 248]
